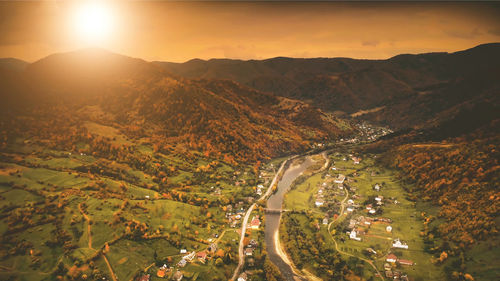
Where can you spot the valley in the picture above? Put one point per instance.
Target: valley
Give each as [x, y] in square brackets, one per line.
[304, 169]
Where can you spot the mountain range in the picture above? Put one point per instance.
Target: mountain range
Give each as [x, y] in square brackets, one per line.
[402, 92]
[144, 100]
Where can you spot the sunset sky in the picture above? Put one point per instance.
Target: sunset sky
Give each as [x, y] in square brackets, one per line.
[180, 31]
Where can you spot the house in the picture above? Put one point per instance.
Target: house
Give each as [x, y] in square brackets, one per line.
[352, 224]
[242, 277]
[255, 223]
[398, 244]
[177, 276]
[379, 199]
[388, 229]
[377, 187]
[161, 272]
[259, 191]
[325, 221]
[202, 256]
[349, 209]
[213, 247]
[144, 277]
[369, 207]
[340, 179]
[254, 243]
[353, 236]
[248, 251]
[183, 251]
[340, 186]
[356, 160]
[182, 263]
[372, 211]
[370, 250]
[350, 201]
[319, 202]
[391, 258]
[387, 266]
[190, 256]
[388, 274]
[405, 262]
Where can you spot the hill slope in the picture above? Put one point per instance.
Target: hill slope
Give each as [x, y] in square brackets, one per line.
[421, 82]
[143, 100]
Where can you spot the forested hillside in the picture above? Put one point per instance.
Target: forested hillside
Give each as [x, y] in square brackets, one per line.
[402, 91]
[218, 118]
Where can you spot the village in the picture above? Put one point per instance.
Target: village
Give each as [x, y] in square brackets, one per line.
[355, 207]
[212, 254]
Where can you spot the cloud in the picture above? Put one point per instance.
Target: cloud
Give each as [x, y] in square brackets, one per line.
[464, 34]
[371, 43]
[494, 31]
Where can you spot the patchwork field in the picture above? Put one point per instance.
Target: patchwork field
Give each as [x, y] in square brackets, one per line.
[80, 216]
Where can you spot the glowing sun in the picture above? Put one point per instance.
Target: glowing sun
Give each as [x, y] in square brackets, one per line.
[93, 21]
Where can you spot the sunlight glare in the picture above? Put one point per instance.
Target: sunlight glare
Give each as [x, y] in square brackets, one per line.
[94, 22]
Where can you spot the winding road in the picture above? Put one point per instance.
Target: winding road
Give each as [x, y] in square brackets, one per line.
[342, 213]
[87, 218]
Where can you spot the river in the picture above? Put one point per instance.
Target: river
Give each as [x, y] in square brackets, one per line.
[273, 219]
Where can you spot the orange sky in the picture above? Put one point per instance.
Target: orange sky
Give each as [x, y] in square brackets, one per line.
[179, 31]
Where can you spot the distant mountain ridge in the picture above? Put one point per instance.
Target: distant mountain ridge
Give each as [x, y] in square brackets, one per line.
[144, 100]
[350, 85]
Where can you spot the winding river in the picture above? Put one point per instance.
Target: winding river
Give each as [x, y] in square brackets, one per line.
[275, 202]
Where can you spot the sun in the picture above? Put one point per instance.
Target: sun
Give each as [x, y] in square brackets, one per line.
[93, 22]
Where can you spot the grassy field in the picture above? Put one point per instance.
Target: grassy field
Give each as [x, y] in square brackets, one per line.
[46, 193]
[406, 222]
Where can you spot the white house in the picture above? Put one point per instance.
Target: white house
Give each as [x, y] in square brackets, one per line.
[190, 256]
[377, 187]
[353, 235]
[319, 202]
[350, 209]
[340, 179]
[242, 277]
[388, 229]
[259, 191]
[398, 244]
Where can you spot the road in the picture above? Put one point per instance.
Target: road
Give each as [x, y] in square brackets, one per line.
[244, 223]
[89, 232]
[113, 276]
[342, 208]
